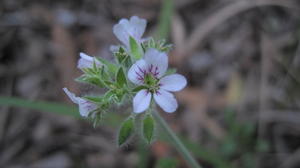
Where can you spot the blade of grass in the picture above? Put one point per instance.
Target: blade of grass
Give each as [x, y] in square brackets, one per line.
[164, 20]
[52, 107]
[40, 106]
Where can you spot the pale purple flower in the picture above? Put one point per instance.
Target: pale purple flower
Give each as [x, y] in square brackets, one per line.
[135, 27]
[86, 61]
[149, 72]
[85, 107]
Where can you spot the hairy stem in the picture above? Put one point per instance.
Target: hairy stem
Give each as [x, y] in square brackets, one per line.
[176, 141]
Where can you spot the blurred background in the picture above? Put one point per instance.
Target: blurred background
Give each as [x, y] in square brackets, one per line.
[241, 108]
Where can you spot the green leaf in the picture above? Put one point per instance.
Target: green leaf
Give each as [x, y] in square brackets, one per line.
[135, 48]
[121, 78]
[95, 99]
[127, 62]
[126, 131]
[95, 80]
[148, 128]
[111, 67]
[108, 95]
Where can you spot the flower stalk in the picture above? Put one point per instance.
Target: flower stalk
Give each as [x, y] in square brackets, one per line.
[176, 141]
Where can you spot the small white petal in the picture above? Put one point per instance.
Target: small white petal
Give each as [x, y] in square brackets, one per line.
[174, 82]
[114, 48]
[121, 31]
[86, 61]
[137, 27]
[85, 107]
[158, 59]
[71, 95]
[86, 57]
[141, 101]
[137, 71]
[166, 101]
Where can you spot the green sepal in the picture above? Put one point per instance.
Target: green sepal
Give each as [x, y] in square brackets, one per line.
[148, 128]
[120, 55]
[121, 77]
[95, 80]
[108, 95]
[135, 48]
[111, 67]
[159, 45]
[138, 88]
[96, 116]
[127, 129]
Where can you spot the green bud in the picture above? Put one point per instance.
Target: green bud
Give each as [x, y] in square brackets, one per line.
[148, 128]
[127, 129]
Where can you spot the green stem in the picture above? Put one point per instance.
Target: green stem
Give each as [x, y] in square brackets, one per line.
[176, 141]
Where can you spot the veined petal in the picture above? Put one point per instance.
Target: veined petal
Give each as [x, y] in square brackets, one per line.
[137, 27]
[137, 72]
[85, 107]
[166, 100]
[86, 61]
[158, 60]
[71, 95]
[141, 101]
[174, 82]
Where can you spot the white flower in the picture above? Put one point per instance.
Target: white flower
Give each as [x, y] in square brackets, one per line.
[135, 27]
[149, 72]
[85, 107]
[86, 61]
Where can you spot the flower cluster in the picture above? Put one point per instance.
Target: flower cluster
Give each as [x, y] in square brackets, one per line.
[140, 72]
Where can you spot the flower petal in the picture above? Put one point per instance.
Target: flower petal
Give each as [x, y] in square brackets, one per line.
[85, 107]
[71, 95]
[166, 101]
[159, 60]
[86, 61]
[137, 27]
[174, 82]
[137, 72]
[141, 101]
[121, 31]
